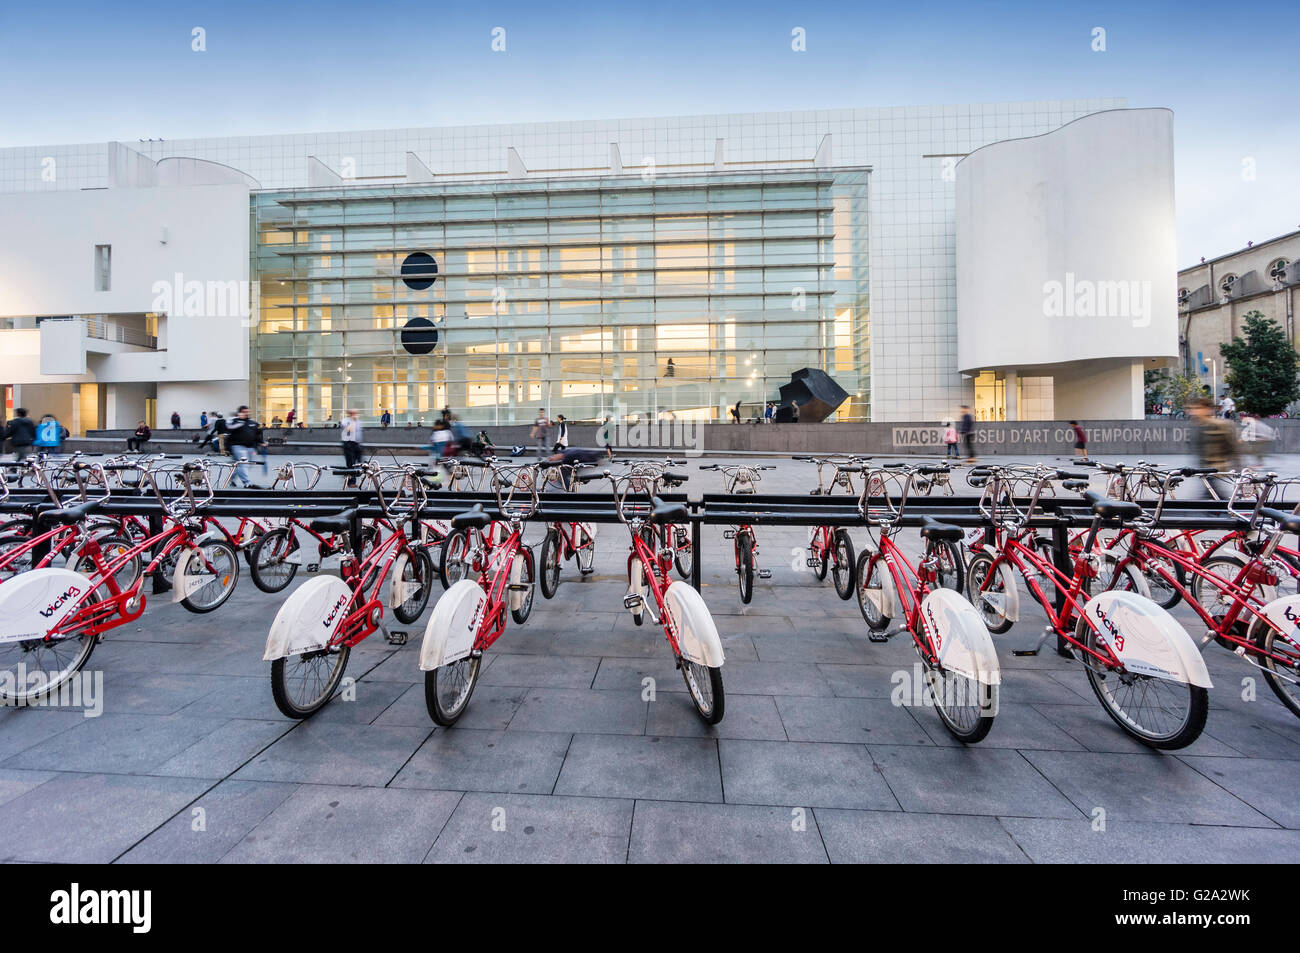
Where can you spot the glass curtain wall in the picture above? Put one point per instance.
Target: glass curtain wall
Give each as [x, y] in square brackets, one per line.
[612, 297]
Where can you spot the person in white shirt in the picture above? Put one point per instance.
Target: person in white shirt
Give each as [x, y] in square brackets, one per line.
[352, 449]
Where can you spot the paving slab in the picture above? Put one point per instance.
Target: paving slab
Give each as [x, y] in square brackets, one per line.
[521, 828]
[669, 832]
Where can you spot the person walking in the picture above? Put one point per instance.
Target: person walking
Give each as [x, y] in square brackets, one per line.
[21, 434]
[288, 418]
[1080, 441]
[50, 433]
[768, 412]
[203, 420]
[561, 434]
[1214, 441]
[967, 430]
[735, 412]
[142, 434]
[540, 432]
[670, 370]
[950, 440]
[243, 439]
[176, 421]
[385, 420]
[352, 443]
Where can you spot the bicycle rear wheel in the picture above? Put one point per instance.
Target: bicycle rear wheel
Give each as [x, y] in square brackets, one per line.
[56, 660]
[966, 706]
[1157, 712]
[704, 685]
[952, 568]
[1277, 673]
[302, 684]
[447, 690]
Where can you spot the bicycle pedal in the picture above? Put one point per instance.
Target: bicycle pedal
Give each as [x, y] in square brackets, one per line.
[587, 572]
[810, 563]
[519, 587]
[1024, 653]
[312, 567]
[396, 638]
[878, 636]
[765, 574]
[728, 534]
[632, 602]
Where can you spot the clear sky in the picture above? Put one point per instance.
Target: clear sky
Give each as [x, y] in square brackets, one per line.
[86, 72]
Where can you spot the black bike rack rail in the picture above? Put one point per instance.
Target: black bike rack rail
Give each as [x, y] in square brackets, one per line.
[1057, 514]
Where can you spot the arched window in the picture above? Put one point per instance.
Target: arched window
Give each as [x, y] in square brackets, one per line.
[1277, 270]
[1226, 283]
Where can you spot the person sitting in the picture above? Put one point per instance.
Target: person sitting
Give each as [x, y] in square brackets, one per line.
[142, 434]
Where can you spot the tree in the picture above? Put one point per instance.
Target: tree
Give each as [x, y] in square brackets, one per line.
[1261, 367]
[1178, 389]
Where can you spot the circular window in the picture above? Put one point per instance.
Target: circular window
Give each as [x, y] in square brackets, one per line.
[419, 336]
[419, 271]
[1226, 283]
[1277, 270]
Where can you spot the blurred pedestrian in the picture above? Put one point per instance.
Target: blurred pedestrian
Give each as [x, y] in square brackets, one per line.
[1080, 441]
[967, 430]
[352, 444]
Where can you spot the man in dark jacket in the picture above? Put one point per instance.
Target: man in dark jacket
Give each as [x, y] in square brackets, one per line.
[966, 427]
[243, 438]
[21, 433]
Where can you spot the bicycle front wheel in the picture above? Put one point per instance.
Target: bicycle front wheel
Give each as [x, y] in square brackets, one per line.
[268, 561]
[1159, 713]
[526, 578]
[986, 590]
[842, 565]
[417, 577]
[302, 684]
[550, 563]
[56, 660]
[455, 557]
[218, 564]
[683, 552]
[745, 566]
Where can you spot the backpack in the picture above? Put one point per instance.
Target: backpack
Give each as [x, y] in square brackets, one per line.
[48, 433]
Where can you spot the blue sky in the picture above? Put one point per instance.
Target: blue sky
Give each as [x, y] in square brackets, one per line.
[82, 72]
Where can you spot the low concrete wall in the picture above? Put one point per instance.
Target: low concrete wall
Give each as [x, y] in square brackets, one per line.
[1112, 437]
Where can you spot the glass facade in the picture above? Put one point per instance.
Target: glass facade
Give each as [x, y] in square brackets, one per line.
[614, 296]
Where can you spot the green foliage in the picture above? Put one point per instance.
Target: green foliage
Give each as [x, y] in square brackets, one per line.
[1178, 389]
[1261, 367]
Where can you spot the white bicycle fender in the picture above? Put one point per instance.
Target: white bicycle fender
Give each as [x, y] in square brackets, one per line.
[697, 636]
[1008, 600]
[34, 602]
[399, 590]
[960, 636]
[636, 585]
[1143, 588]
[885, 599]
[449, 636]
[1146, 638]
[1283, 613]
[516, 578]
[309, 618]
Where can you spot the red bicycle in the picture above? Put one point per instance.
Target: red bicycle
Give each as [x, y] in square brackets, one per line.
[471, 615]
[961, 670]
[312, 636]
[743, 479]
[829, 547]
[52, 618]
[1143, 666]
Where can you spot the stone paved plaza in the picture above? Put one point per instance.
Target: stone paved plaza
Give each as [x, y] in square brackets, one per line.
[559, 758]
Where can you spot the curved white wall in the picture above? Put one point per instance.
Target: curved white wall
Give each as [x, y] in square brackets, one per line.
[1066, 246]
